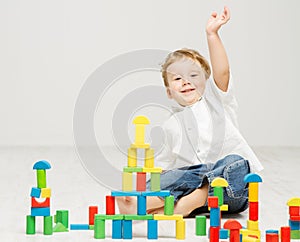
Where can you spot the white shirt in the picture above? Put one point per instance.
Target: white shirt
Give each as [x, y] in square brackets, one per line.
[205, 132]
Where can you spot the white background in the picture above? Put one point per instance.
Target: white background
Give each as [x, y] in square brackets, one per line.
[49, 48]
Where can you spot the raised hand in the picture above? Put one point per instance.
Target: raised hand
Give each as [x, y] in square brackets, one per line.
[216, 20]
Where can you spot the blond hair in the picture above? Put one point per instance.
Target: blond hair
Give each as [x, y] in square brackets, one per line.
[184, 53]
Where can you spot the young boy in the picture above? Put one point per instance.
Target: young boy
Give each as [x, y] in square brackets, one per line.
[202, 139]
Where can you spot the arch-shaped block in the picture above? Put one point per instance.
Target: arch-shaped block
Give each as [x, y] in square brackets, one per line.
[41, 165]
[252, 177]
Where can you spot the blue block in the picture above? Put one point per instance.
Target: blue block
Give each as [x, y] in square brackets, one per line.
[252, 177]
[123, 193]
[162, 193]
[295, 225]
[271, 231]
[127, 229]
[41, 165]
[152, 229]
[117, 229]
[141, 205]
[214, 217]
[35, 192]
[224, 234]
[79, 227]
[40, 211]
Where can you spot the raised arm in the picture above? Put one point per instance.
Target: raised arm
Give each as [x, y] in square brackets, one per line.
[217, 53]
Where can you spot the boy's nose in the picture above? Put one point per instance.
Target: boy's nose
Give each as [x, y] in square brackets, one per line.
[185, 81]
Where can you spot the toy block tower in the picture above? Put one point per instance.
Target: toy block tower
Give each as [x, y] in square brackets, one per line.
[294, 217]
[252, 232]
[40, 200]
[122, 224]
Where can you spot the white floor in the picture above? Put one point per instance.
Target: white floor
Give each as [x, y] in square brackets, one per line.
[73, 189]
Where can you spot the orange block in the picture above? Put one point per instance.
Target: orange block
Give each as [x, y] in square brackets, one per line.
[40, 202]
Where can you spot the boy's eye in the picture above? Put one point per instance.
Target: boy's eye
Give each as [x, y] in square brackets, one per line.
[177, 79]
[194, 75]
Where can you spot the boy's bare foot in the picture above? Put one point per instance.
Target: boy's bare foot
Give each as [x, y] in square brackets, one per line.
[127, 205]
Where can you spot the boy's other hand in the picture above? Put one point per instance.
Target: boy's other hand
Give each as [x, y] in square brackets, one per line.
[215, 21]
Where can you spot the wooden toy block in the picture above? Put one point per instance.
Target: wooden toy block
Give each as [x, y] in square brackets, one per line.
[285, 234]
[161, 193]
[252, 177]
[30, 224]
[152, 231]
[155, 182]
[219, 182]
[62, 216]
[294, 211]
[117, 229]
[138, 217]
[93, 210]
[250, 239]
[271, 237]
[141, 205]
[141, 181]
[132, 157]
[224, 207]
[271, 231]
[295, 218]
[127, 181]
[127, 229]
[140, 122]
[295, 234]
[40, 203]
[45, 192]
[48, 225]
[214, 233]
[99, 229]
[91, 227]
[40, 211]
[125, 193]
[252, 225]
[109, 217]
[35, 192]
[152, 170]
[294, 201]
[224, 234]
[253, 192]
[169, 205]
[110, 205]
[59, 227]
[218, 192]
[41, 178]
[140, 146]
[149, 158]
[200, 225]
[167, 217]
[180, 229]
[79, 227]
[132, 169]
[215, 217]
[234, 226]
[41, 165]
[213, 201]
[247, 232]
[295, 225]
[253, 211]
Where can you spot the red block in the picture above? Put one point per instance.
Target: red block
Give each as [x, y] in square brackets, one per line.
[295, 218]
[285, 234]
[234, 226]
[141, 181]
[214, 234]
[272, 237]
[213, 201]
[253, 211]
[110, 205]
[36, 204]
[294, 211]
[92, 211]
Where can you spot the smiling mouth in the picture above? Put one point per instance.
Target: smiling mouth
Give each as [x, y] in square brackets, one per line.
[188, 90]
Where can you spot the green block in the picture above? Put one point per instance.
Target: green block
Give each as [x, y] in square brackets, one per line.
[99, 229]
[41, 178]
[62, 216]
[30, 224]
[218, 192]
[295, 234]
[109, 217]
[59, 227]
[132, 169]
[169, 205]
[48, 225]
[91, 227]
[138, 217]
[200, 225]
[155, 181]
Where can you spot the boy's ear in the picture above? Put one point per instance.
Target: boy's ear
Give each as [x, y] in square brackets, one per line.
[169, 94]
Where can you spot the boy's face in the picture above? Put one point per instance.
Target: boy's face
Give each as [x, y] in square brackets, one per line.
[186, 81]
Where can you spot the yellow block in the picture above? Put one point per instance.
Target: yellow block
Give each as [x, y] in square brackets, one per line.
[252, 225]
[167, 217]
[149, 158]
[180, 229]
[132, 157]
[140, 146]
[294, 201]
[253, 192]
[250, 239]
[127, 181]
[152, 170]
[224, 207]
[45, 192]
[219, 182]
[247, 232]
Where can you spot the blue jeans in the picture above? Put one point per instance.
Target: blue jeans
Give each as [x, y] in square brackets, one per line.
[182, 181]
